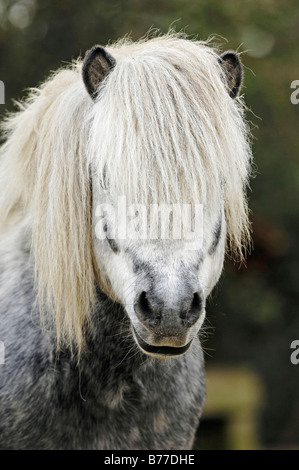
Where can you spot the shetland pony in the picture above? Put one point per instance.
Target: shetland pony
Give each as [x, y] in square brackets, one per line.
[101, 328]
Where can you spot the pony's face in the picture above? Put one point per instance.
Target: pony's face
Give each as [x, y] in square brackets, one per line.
[161, 283]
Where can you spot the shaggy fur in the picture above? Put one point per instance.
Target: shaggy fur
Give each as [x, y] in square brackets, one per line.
[162, 128]
[117, 398]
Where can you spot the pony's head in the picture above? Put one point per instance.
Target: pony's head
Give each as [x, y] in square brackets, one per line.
[133, 166]
[166, 137]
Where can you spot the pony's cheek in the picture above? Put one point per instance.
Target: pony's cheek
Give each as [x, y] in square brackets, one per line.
[114, 274]
[211, 270]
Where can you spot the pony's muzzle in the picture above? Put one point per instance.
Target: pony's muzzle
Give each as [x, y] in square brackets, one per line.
[167, 328]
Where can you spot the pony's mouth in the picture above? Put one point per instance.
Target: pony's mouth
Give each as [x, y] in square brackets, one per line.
[160, 351]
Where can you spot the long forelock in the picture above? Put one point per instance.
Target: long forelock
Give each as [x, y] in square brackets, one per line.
[165, 130]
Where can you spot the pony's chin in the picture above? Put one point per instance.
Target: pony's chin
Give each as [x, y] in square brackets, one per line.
[161, 352]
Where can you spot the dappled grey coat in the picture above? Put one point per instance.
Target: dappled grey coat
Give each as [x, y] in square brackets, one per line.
[116, 398]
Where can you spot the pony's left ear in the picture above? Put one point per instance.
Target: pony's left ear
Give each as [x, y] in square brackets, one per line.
[96, 66]
[233, 69]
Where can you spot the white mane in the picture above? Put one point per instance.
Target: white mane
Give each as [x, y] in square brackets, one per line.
[163, 129]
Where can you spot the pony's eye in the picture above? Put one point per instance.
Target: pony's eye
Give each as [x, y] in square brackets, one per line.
[217, 234]
[113, 245]
[111, 241]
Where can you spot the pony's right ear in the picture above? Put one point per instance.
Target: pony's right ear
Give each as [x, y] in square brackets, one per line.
[233, 70]
[96, 66]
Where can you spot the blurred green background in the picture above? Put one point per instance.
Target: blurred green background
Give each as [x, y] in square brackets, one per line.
[253, 314]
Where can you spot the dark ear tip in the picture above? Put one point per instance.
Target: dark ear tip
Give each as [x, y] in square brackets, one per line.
[232, 57]
[233, 67]
[98, 51]
[97, 64]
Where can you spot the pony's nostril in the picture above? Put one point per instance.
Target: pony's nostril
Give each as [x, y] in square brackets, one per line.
[144, 309]
[196, 302]
[143, 303]
[194, 311]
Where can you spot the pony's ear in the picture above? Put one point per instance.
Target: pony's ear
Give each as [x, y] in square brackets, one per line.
[233, 69]
[96, 66]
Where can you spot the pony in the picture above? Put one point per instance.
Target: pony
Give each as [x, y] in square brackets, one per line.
[101, 326]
